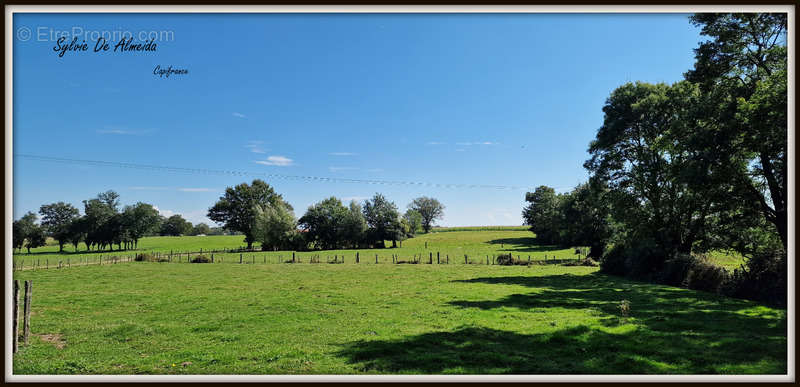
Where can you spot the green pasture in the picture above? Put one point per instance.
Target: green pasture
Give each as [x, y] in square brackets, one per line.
[156, 318]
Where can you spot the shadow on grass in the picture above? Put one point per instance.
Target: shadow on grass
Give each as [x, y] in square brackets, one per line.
[670, 330]
[524, 245]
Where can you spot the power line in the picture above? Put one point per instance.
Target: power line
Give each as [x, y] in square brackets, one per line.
[260, 174]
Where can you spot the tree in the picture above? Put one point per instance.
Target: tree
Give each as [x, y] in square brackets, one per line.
[77, 231]
[354, 225]
[429, 208]
[743, 68]
[98, 213]
[274, 226]
[235, 210]
[544, 214]
[56, 218]
[175, 225]
[201, 229]
[586, 218]
[383, 220]
[22, 229]
[325, 223]
[414, 220]
[140, 219]
[36, 238]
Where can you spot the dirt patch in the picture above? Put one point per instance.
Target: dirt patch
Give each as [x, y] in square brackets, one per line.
[56, 339]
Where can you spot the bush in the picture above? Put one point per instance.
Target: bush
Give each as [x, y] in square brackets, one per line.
[145, 257]
[201, 259]
[707, 277]
[508, 260]
[613, 261]
[763, 278]
[676, 269]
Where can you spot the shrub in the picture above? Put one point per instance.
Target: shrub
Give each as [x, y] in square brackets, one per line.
[763, 278]
[706, 276]
[589, 262]
[676, 269]
[201, 259]
[613, 261]
[145, 257]
[508, 260]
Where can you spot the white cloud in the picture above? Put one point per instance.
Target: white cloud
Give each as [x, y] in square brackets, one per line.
[196, 189]
[164, 213]
[279, 161]
[240, 115]
[477, 143]
[342, 154]
[143, 188]
[434, 143]
[459, 150]
[339, 169]
[123, 131]
[255, 147]
[375, 170]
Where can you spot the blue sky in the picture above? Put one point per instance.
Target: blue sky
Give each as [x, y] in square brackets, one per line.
[496, 99]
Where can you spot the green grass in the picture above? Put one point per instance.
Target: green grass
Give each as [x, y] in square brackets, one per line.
[453, 244]
[156, 318]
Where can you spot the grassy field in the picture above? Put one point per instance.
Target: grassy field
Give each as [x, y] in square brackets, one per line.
[476, 242]
[162, 318]
[152, 318]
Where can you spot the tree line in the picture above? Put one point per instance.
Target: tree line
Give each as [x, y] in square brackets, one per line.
[679, 170]
[103, 225]
[253, 210]
[263, 216]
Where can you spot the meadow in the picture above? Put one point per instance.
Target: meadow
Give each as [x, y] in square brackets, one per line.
[367, 318]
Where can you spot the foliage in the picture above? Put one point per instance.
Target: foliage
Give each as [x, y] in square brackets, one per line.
[274, 226]
[429, 209]
[201, 259]
[201, 229]
[414, 220]
[175, 225]
[383, 220]
[56, 219]
[543, 214]
[22, 229]
[325, 223]
[235, 210]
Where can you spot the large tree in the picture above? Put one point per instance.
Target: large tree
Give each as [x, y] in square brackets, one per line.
[543, 214]
[99, 213]
[56, 218]
[140, 219]
[235, 210]
[354, 225]
[274, 227]
[22, 229]
[383, 220]
[429, 208]
[175, 225]
[325, 223]
[659, 184]
[742, 67]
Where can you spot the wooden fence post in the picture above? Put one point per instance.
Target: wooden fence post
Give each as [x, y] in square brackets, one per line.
[15, 310]
[212, 257]
[27, 314]
[437, 258]
[430, 258]
[465, 258]
[376, 258]
[293, 259]
[240, 258]
[448, 259]
[356, 256]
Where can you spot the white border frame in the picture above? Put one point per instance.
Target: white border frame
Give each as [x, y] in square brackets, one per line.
[10, 10]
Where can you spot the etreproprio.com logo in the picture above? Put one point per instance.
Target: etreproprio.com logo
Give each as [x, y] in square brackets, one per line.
[50, 34]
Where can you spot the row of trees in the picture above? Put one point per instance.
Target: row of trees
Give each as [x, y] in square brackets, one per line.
[682, 169]
[263, 216]
[103, 224]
